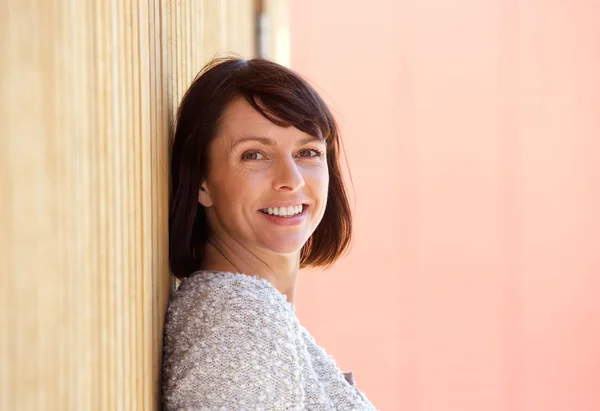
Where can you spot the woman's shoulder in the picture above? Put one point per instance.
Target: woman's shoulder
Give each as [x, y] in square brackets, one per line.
[229, 286]
[208, 295]
[225, 341]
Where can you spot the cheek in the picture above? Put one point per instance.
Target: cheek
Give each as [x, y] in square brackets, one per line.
[326, 177]
[241, 187]
[318, 182]
[324, 184]
[322, 176]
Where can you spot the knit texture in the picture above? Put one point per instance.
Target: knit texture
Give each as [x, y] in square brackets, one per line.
[233, 342]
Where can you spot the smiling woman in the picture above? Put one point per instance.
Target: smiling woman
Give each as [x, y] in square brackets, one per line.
[240, 118]
[257, 194]
[248, 175]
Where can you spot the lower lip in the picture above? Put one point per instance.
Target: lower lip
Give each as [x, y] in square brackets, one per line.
[287, 221]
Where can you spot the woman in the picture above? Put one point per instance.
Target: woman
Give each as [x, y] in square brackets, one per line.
[257, 194]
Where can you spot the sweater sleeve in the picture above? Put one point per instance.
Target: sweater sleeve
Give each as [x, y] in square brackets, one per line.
[229, 352]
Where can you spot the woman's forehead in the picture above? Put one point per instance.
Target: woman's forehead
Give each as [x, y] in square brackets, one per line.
[241, 122]
[240, 115]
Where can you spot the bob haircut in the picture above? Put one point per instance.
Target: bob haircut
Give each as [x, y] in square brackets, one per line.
[285, 99]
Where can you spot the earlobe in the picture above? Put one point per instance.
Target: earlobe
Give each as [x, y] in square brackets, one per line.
[204, 196]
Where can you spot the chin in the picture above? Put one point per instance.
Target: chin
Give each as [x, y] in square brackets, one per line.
[287, 246]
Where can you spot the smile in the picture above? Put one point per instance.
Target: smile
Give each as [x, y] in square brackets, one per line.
[289, 211]
[286, 216]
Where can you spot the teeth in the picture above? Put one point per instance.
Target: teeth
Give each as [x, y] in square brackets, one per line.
[284, 211]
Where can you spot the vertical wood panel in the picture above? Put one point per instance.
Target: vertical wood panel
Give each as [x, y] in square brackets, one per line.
[278, 17]
[88, 95]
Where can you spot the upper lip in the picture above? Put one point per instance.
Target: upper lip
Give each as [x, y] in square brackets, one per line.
[284, 204]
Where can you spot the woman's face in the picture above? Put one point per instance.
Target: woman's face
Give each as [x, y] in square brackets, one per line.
[267, 185]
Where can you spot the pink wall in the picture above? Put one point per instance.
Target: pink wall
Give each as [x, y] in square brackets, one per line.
[473, 134]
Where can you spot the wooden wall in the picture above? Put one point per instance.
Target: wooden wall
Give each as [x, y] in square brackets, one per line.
[88, 93]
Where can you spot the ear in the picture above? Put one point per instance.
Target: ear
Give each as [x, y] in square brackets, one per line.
[204, 197]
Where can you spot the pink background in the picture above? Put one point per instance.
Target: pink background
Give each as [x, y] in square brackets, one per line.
[472, 130]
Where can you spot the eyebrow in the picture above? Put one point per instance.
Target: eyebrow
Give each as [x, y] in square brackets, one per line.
[270, 142]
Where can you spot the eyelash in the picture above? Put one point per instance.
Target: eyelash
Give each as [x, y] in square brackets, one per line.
[318, 154]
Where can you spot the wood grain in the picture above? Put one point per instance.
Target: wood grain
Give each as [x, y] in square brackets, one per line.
[88, 92]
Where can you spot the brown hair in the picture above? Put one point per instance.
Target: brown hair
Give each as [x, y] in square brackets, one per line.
[286, 100]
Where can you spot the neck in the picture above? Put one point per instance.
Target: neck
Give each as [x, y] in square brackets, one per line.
[280, 270]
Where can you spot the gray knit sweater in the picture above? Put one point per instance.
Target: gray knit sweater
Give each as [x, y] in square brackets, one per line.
[233, 342]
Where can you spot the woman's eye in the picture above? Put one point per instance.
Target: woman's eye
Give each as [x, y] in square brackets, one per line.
[310, 153]
[252, 155]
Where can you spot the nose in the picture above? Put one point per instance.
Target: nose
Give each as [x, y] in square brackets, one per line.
[287, 176]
